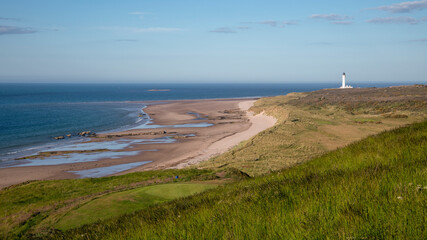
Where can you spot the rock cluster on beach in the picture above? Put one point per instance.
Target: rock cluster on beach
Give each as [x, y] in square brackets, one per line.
[136, 134]
[87, 134]
[82, 134]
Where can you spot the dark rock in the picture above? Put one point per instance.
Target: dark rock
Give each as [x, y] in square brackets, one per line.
[87, 133]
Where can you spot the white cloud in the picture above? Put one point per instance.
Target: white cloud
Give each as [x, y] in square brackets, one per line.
[404, 6]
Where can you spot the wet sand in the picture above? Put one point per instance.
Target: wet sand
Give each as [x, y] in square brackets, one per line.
[232, 123]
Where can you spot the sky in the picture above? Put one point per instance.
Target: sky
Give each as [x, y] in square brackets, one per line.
[221, 41]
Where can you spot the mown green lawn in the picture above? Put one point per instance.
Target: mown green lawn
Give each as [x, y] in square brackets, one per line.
[129, 201]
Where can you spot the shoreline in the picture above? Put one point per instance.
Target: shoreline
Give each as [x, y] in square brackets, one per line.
[189, 143]
[44, 146]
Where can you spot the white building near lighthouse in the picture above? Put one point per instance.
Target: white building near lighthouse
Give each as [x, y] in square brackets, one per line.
[343, 82]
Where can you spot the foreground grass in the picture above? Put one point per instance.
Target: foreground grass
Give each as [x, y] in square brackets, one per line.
[37, 206]
[373, 189]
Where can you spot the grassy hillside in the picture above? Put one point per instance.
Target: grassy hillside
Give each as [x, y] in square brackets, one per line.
[373, 189]
[311, 124]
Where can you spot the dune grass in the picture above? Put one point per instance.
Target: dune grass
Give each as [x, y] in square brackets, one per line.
[129, 201]
[373, 189]
[302, 132]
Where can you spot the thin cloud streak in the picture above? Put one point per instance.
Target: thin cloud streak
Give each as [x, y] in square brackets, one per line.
[270, 23]
[331, 17]
[396, 20]
[126, 40]
[342, 22]
[404, 7]
[223, 30]
[139, 13]
[142, 30]
[419, 40]
[273, 23]
[9, 19]
[321, 43]
[9, 30]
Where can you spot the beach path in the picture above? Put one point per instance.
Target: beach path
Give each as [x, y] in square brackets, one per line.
[259, 123]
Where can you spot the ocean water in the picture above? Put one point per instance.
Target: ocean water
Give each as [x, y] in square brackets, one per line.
[31, 115]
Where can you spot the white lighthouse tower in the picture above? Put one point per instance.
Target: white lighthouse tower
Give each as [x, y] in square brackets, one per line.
[343, 82]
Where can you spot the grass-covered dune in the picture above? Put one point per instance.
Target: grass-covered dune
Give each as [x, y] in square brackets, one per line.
[314, 123]
[372, 189]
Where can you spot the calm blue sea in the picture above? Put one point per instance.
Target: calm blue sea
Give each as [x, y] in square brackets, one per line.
[32, 114]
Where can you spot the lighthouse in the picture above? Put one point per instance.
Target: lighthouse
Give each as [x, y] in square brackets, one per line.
[343, 82]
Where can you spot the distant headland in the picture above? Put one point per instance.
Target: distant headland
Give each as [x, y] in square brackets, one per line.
[158, 90]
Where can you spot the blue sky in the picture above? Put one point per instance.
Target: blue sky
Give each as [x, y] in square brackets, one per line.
[252, 41]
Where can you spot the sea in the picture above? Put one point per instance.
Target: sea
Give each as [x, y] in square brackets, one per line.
[32, 115]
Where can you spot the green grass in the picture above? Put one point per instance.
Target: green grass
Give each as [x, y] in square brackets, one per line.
[129, 201]
[37, 206]
[373, 189]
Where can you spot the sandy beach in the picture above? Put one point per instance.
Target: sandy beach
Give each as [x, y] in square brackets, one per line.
[198, 130]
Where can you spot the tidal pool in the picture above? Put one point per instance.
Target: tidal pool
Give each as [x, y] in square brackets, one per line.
[186, 125]
[111, 145]
[105, 171]
[72, 158]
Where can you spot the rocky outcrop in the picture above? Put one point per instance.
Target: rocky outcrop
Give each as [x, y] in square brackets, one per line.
[87, 134]
[136, 134]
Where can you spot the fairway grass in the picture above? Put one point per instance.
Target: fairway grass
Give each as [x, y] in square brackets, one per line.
[120, 203]
[37, 206]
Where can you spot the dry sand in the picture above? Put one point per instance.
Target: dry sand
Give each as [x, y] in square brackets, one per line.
[232, 124]
[258, 122]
